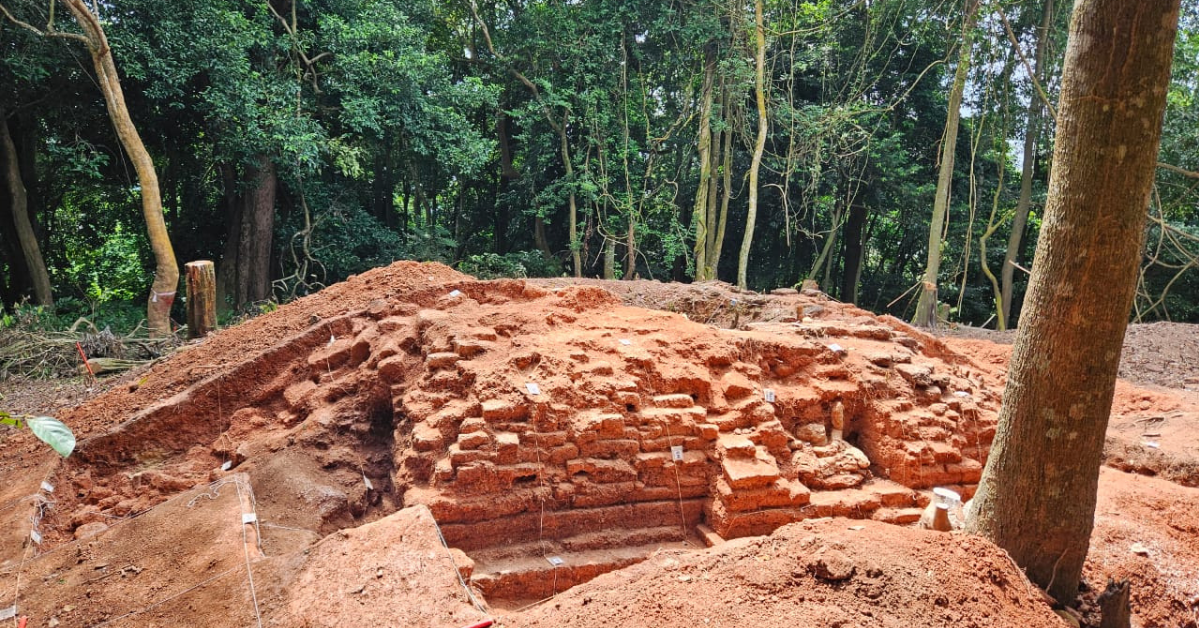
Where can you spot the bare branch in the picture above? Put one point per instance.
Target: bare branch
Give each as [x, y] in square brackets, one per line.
[1190, 174]
[1032, 75]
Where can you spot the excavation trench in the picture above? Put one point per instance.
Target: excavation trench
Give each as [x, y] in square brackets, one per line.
[554, 434]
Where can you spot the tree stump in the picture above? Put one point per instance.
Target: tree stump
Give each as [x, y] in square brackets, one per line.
[1114, 605]
[201, 298]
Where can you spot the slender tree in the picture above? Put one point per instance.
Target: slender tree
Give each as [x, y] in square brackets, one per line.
[18, 204]
[926, 308]
[1038, 491]
[759, 145]
[1031, 133]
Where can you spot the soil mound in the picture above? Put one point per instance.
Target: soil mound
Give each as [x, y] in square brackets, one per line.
[552, 432]
[828, 573]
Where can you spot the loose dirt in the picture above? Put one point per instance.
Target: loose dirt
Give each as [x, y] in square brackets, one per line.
[554, 432]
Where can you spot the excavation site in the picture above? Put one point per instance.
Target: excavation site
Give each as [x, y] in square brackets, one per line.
[414, 447]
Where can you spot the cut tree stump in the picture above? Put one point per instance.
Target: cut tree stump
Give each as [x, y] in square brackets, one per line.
[1114, 607]
[201, 298]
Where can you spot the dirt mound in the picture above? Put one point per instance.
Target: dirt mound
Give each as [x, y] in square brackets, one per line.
[1155, 354]
[554, 432]
[828, 573]
[1147, 532]
[1152, 431]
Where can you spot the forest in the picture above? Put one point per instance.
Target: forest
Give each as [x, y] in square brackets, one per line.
[896, 152]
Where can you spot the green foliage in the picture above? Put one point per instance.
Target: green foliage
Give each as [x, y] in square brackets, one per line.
[519, 264]
[49, 430]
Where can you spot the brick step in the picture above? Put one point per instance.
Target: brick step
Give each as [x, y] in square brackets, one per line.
[531, 576]
[898, 516]
[532, 526]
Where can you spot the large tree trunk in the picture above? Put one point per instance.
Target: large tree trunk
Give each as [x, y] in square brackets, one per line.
[759, 145]
[244, 275]
[926, 307]
[1037, 494]
[699, 214]
[19, 209]
[1031, 132]
[166, 271]
[254, 259]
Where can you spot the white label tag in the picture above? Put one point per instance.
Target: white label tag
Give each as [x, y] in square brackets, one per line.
[8, 613]
[367, 482]
[769, 395]
[37, 538]
[455, 294]
[48, 487]
[332, 339]
[835, 348]
[249, 517]
[676, 453]
[555, 561]
[533, 389]
[228, 465]
[626, 342]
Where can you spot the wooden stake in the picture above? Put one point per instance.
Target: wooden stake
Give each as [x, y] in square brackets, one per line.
[201, 298]
[1113, 603]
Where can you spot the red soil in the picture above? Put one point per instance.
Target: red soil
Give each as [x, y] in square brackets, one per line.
[407, 386]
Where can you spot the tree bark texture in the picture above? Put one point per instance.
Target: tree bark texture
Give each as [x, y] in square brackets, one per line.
[1031, 132]
[18, 205]
[699, 216]
[245, 273]
[1037, 494]
[926, 308]
[166, 272]
[201, 298]
[759, 145]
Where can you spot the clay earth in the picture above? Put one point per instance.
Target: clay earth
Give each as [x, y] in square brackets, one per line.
[414, 447]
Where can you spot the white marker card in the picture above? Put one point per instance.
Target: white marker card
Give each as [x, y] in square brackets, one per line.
[555, 561]
[835, 348]
[626, 342]
[769, 395]
[367, 482]
[8, 613]
[676, 453]
[332, 339]
[48, 487]
[37, 537]
[533, 389]
[455, 294]
[249, 517]
[228, 465]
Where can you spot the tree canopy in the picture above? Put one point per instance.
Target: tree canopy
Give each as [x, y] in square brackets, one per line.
[299, 142]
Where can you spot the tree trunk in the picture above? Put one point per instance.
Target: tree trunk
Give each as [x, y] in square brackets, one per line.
[166, 272]
[1020, 220]
[726, 192]
[631, 249]
[759, 145]
[245, 272]
[226, 272]
[573, 227]
[508, 174]
[699, 215]
[1037, 494]
[852, 252]
[201, 298]
[258, 225]
[926, 308]
[19, 206]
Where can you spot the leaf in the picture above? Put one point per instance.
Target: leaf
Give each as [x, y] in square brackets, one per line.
[53, 432]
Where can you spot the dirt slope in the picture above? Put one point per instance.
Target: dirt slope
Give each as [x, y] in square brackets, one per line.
[409, 386]
[827, 573]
